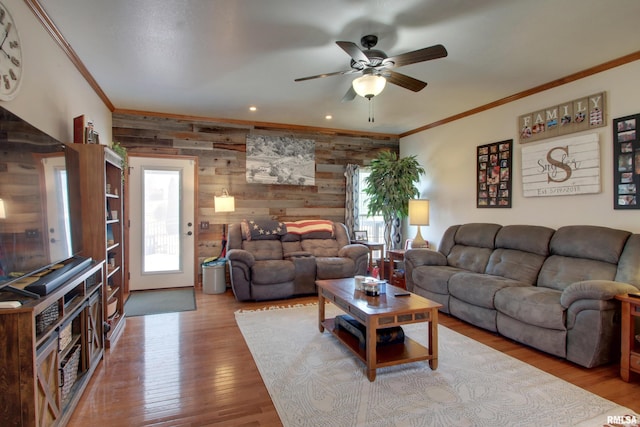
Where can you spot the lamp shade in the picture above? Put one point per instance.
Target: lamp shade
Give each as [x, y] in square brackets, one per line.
[3, 213]
[369, 85]
[224, 203]
[419, 212]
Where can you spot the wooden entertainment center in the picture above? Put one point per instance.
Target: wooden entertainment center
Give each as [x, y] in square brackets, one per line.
[50, 349]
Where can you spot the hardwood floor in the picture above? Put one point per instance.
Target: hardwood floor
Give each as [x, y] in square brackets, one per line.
[194, 369]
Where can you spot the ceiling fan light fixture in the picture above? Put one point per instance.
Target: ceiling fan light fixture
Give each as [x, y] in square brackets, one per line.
[369, 85]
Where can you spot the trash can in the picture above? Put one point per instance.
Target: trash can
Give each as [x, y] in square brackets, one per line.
[213, 277]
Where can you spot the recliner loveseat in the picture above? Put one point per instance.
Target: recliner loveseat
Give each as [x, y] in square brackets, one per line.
[272, 260]
[551, 289]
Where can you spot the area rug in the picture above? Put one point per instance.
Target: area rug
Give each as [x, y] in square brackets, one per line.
[143, 303]
[314, 381]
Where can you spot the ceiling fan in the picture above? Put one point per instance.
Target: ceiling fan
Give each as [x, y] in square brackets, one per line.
[375, 67]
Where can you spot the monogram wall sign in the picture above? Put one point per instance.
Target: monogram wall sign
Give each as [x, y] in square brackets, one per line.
[564, 167]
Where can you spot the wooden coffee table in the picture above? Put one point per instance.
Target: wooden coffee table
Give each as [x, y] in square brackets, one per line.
[374, 313]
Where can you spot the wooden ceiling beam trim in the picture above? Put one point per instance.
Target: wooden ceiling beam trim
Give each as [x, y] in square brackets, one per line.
[252, 125]
[525, 93]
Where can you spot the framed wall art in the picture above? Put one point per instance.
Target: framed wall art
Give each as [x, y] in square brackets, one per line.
[626, 162]
[573, 116]
[494, 175]
[280, 160]
[360, 236]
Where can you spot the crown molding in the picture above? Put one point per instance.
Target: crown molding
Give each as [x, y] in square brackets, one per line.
[57, 36]
[525, 93]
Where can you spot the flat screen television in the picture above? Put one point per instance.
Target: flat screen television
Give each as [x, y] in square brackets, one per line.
[36, 212]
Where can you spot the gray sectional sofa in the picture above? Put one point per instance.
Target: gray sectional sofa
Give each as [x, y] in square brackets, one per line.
[550, 289]
[268, 260]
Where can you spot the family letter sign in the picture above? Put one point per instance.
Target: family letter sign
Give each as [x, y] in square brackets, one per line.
[569, 117]
[560, 168]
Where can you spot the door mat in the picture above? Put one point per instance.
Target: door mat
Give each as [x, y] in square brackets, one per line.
[144, 303]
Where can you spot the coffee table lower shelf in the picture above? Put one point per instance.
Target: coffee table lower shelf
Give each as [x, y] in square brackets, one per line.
[386, 355]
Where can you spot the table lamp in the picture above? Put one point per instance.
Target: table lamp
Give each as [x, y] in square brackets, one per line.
[419, 215]
[224, 203]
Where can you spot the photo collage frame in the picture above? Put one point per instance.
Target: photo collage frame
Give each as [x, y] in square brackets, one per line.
[626, 162]
[494, 175]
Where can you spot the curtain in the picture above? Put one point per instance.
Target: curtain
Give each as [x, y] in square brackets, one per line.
[352, 199]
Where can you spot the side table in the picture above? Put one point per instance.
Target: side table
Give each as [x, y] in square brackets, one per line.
[372, 246]
[395, 255]
[630, 330]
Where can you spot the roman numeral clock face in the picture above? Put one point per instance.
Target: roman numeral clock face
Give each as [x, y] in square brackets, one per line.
[10, 56]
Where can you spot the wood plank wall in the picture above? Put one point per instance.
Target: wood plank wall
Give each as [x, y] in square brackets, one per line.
[221, 151]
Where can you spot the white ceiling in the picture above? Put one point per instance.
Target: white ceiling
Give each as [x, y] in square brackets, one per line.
[215, 58]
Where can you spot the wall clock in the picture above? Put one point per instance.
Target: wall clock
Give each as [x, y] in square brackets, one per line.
[10, 56]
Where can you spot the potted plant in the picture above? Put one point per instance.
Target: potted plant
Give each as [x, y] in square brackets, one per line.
[122, 152]
[390, 185]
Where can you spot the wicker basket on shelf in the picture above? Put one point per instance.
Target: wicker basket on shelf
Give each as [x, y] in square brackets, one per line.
[65, 337]
[70, 371]
[48, 316]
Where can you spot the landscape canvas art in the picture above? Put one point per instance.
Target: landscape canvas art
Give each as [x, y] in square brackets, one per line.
[280, 160]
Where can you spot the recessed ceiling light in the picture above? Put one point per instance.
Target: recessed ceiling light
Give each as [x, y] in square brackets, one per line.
[328, 117]
[252, 108]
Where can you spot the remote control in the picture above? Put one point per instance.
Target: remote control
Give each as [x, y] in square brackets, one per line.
[402, 294]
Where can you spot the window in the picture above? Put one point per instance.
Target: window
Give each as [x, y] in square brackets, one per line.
[374, 225]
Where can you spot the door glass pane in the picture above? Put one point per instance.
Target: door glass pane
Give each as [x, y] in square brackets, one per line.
[161, 213]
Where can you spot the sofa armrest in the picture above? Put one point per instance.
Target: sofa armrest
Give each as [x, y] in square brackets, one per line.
[240, 263]
[594, 290]
[240, 255]
[418, 257]
[353, 251]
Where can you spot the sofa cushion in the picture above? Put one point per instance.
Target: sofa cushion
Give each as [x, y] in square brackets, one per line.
[558, 272]
[526, 238]
[321, 247]
[477, 234]
[590, 242]
[269, 272]
[628, 266]
[515, 264]
[334, 267]
[469, 258]
[434, 278]
[532, 305]
[263, 249]
[479, 289]
[291, 247]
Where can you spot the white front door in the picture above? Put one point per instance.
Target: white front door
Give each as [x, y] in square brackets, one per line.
[162, 222]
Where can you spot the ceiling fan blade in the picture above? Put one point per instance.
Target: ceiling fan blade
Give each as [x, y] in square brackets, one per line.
[350, 95]
[354, 51]
[420, 55]
[337, 73]
[404, 81]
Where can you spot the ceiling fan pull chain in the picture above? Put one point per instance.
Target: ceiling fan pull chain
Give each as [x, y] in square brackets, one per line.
[371, 112]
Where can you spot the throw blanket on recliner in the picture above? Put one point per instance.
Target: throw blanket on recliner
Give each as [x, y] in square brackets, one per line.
[309, 226]
[262, 229]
